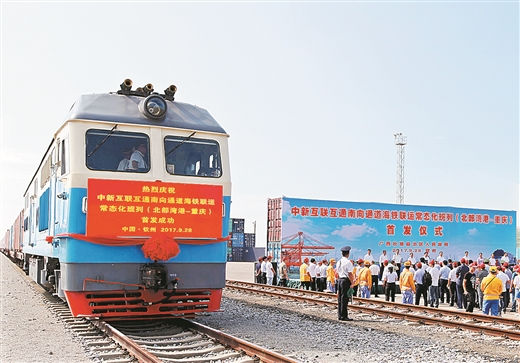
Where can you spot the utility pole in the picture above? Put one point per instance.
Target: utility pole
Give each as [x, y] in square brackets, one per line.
[400, 142]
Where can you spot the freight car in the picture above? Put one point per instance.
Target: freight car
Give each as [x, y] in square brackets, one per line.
[128, 211]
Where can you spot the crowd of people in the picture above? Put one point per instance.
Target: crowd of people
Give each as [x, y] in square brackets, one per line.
[488, 284]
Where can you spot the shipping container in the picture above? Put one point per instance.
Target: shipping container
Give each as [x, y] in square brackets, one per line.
[249, 240]
[237, 254]
[237, 225]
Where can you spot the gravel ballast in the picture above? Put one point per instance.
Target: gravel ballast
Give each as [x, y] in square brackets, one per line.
[313, 334]
[29, 330]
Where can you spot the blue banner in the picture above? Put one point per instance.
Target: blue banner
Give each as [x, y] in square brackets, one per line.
[409, 228]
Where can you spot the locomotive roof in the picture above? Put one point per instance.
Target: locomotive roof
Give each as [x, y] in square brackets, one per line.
[119, 108]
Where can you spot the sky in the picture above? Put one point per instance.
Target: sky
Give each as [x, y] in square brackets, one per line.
[311, 93]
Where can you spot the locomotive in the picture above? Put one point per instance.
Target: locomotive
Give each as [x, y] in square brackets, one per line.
[128, 211]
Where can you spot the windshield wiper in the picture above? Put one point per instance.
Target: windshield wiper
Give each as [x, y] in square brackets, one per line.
[102, 141]
[177, 146]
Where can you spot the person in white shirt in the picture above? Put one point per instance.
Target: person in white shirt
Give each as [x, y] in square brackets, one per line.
[368, 256]
[137, 160]
[452, 283]
[411, 259]
[125, 163]
[466, 256]
[323, 275]
[480, 259]
[434, 288]
[492, 261]
[389, 283]
[504, 296]
[269, 270]
[312, 271]
[263, 268]
[398, 259]
[440, 258]
[374, 271]
[383, 257]
[344, 270]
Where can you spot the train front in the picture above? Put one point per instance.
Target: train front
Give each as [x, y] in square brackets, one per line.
[146, 201]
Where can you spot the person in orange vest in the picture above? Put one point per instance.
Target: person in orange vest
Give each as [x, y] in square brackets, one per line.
[357, 269]
[492, 287]
[305, 277]
[365, 280]
[331, 279]
[406, 284]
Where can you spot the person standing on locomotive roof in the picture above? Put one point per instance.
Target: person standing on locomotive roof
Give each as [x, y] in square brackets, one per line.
[137, 160]
[345, 278]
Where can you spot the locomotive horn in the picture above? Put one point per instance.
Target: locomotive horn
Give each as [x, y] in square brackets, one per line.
[148, 88]
[126, 85]
[170, 92]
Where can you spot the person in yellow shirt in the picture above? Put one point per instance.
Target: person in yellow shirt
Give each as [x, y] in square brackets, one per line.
[491, 287]
[406, 284]
[305, 277]
[331, 278]
[365, 280]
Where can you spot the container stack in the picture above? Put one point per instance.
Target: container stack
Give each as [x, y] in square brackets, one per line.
[237, 240]
[249, 240]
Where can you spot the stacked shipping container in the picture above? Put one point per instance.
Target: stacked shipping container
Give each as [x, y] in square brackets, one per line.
[241, 243]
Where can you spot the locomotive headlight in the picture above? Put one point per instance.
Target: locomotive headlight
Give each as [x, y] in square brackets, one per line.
[153, 106]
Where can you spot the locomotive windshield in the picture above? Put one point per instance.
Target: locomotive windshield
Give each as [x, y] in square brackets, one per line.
[112, 150]
[191, 156]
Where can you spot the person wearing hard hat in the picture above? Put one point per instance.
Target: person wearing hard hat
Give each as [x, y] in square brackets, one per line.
[492, 287]
[331, 279]
[406, 284]
[365, 280]
[305, 277]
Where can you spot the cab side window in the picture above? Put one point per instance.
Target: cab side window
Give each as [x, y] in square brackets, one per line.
[118, 151]
[193, 157]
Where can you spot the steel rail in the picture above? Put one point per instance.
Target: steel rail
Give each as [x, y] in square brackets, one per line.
[410, 312]
[142, 355]
[138, 352]
[253, 350]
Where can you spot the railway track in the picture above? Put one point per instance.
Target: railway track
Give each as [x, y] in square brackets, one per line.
[478, 323]
[162, 340]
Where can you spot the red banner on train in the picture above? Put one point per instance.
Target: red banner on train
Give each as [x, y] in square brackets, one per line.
[137, 208]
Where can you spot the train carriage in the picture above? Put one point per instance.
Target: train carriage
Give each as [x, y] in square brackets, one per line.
[128, 212]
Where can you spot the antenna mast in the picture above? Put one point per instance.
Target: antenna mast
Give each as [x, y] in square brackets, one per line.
[400, 142]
